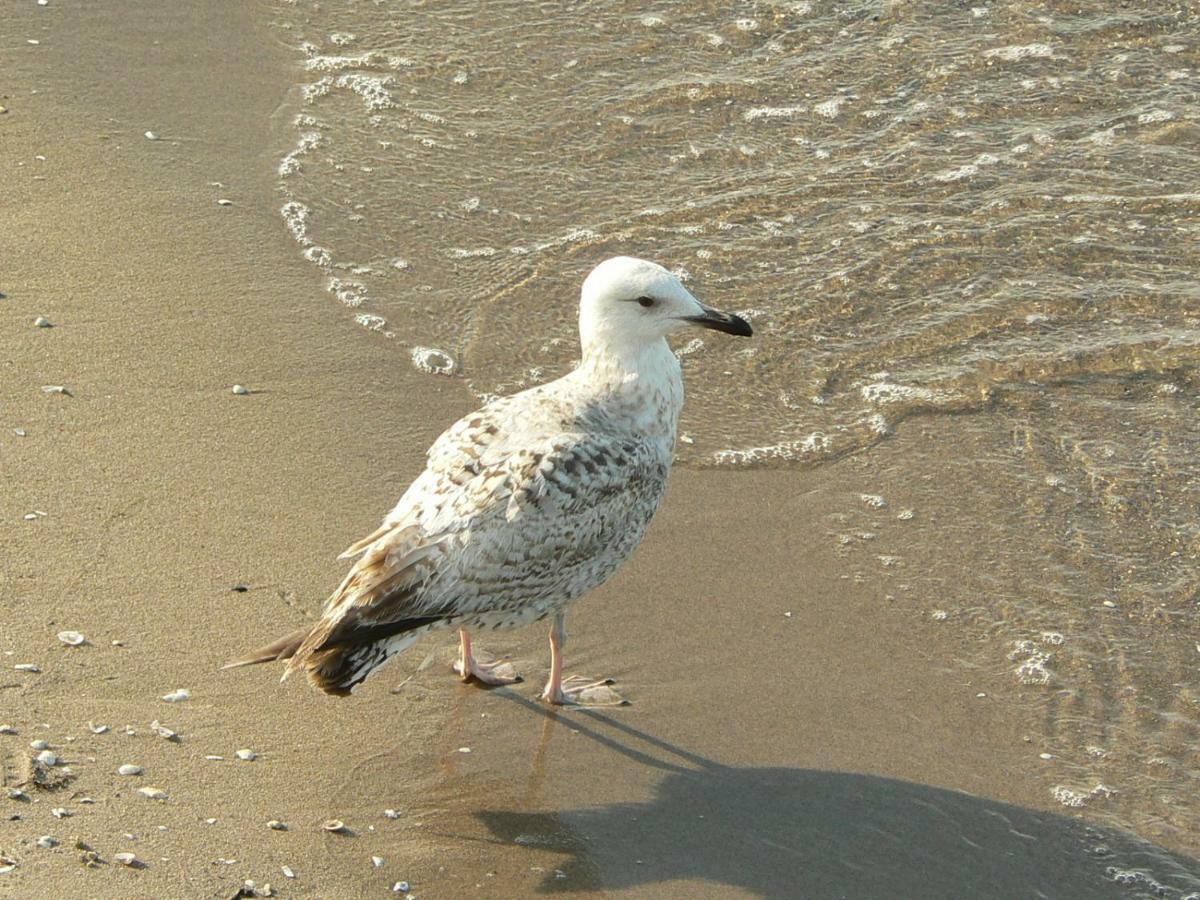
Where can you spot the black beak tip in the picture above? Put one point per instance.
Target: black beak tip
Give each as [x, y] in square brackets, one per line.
[740, 326]
[726, 322]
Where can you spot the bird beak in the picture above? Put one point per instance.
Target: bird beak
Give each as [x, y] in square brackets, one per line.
[720, 321]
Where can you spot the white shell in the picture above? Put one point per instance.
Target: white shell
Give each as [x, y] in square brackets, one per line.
[71, 638]
[129, 769]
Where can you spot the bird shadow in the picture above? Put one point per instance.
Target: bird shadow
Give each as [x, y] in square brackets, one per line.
[791, 832]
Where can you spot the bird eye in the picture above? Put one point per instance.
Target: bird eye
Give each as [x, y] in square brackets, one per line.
[645, 302]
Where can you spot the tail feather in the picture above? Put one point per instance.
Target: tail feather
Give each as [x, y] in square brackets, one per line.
[340, 669]
[284, 648]
[338, 662]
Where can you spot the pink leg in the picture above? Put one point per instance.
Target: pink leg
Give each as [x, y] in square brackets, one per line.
[558, 638]
[581, 691]
[469, 667]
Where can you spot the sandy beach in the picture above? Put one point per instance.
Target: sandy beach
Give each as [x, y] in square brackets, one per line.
[796, 729]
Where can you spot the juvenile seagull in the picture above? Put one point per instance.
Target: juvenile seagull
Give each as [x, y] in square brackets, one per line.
[525, 505]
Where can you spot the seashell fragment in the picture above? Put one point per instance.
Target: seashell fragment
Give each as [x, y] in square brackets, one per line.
[153, 793]
[176, 696]
[335, 825]
[164, 732]
[129, 769]
[72, 638]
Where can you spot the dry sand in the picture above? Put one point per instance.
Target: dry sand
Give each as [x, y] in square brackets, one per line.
[794, 732]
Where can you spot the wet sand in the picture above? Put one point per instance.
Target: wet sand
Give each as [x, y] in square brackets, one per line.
[795, 731]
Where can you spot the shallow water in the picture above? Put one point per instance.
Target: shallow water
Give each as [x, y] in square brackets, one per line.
[988, 213]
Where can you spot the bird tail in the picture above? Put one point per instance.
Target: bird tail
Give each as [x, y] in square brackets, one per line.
[284, 648]
[335, 668]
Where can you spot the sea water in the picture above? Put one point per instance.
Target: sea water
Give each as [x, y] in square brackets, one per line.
[977, 224]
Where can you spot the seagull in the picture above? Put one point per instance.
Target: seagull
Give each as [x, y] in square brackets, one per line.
[524, 505]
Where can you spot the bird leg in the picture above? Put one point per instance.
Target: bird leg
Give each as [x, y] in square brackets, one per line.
[469, 667]
[576, 690]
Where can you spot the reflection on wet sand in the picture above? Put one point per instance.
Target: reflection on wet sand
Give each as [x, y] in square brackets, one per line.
[707, 829]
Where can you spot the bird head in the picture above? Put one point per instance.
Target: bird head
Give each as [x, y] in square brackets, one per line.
[627, 301]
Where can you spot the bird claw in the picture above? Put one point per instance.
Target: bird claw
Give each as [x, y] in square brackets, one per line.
[580, 691]
[493, 673]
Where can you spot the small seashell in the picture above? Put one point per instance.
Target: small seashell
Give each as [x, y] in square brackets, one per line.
[129, 769]
[55, 389]
[176, 696]
[39, 744]
[241, 390]
[127, 859]
[210, 821]
[72, 638]
[46, 841]
[246, 755]
[464, 749]
[48, 758]
[6, 865]
[151, 136]
[335, 825]
[17, 794]
[97, 729]
[153, 793]
[377, 861]
[215, 758]
[164, 732]
[391, 813]
[276, 825]
[400, 887]
[287, 871]
[27, 667]
[224, 202]
[60, 813]
[20, 432]
[7, 729]
[43, 322]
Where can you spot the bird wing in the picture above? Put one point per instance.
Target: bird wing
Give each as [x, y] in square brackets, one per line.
[486, 524]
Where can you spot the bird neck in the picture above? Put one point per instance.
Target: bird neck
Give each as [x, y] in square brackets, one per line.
[644, 378]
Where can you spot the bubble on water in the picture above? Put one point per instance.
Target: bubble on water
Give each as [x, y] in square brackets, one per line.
[371, 321]
[652, 21]
[1017, 53]
[295, 217]
[351, 293]
[773, 112]
[479, 252]
[341, 38]
[1032, 662]
[830, 108]
[1068, 797]
[1053, 638]
[373, 89]
[318, 255]
[433, 361]
[1155, 115]
[470, 204]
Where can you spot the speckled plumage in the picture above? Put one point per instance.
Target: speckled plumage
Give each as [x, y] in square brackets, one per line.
[524, 506]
